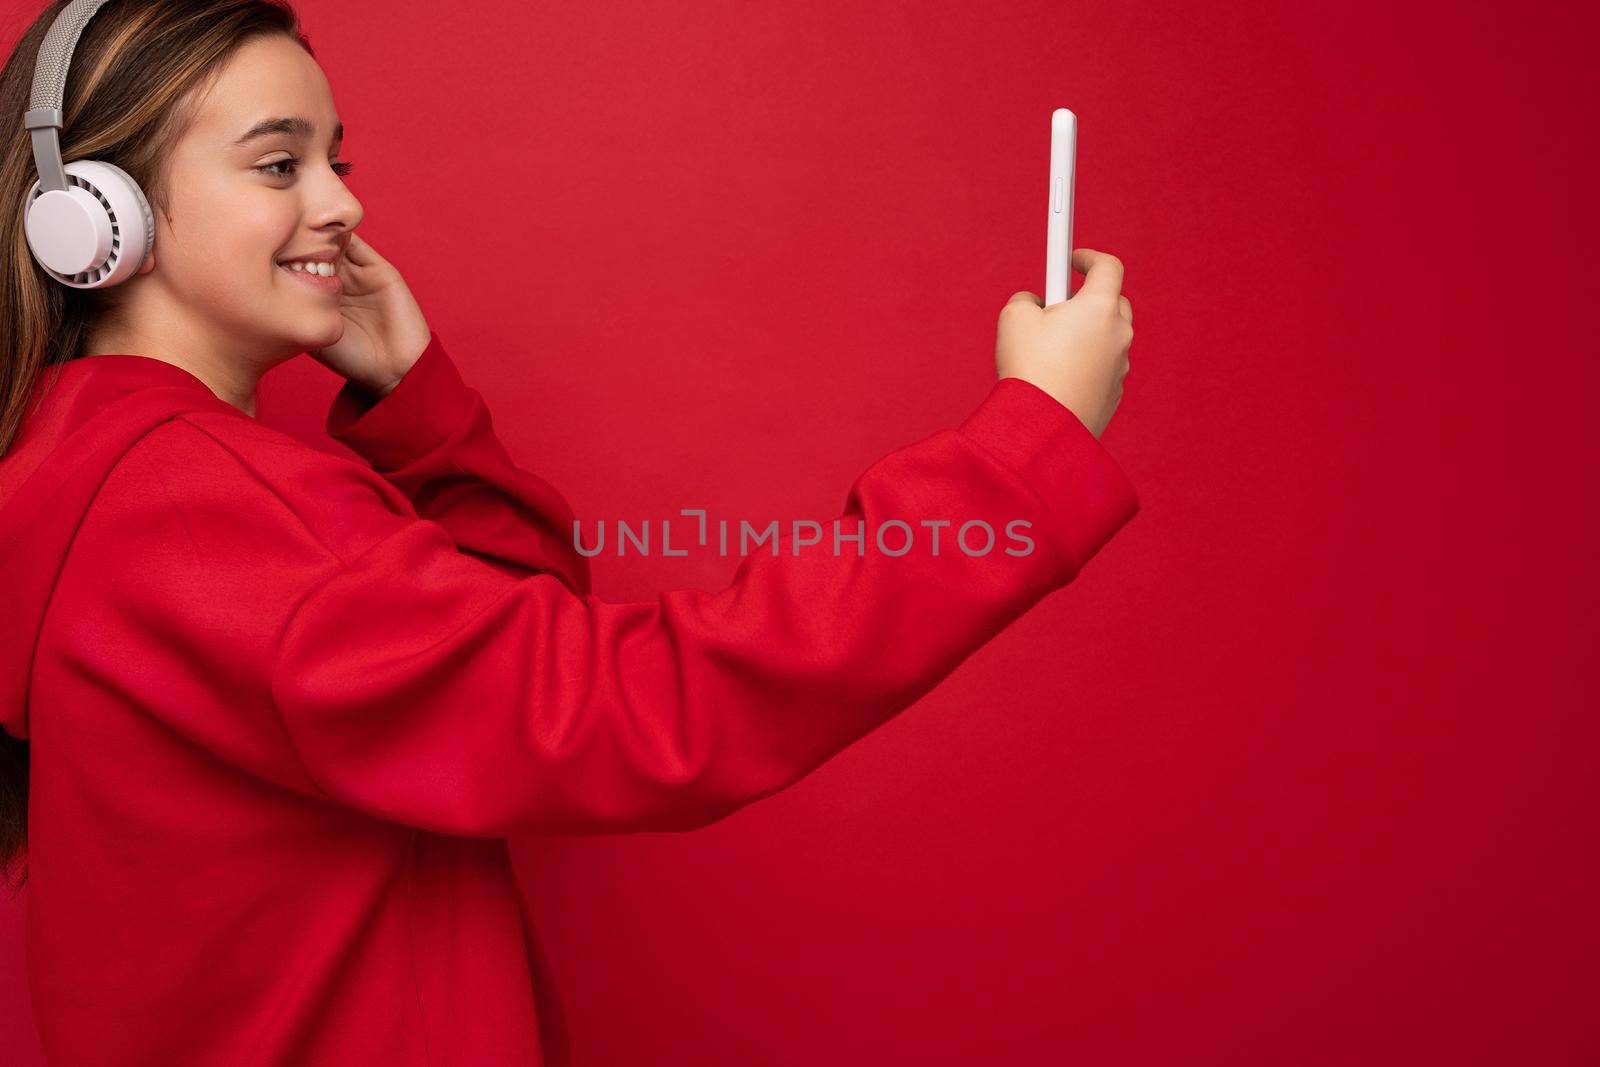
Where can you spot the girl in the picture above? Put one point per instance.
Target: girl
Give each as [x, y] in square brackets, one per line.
[281, 709]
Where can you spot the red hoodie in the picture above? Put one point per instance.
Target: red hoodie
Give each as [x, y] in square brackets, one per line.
[285, 708]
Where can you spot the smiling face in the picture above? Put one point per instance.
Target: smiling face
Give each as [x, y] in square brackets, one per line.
[248, 192]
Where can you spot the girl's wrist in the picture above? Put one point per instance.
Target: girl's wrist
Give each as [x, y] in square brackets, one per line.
[387, 385]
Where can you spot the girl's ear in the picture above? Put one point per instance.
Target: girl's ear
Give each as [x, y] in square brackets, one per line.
[148, 265]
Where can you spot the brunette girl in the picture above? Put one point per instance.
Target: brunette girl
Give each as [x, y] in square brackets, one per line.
[270, 714]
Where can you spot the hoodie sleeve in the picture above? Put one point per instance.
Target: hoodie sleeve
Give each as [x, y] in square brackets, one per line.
[433, 439]
[419, 684]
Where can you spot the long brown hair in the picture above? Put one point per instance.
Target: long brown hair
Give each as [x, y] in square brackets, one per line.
[130, 95]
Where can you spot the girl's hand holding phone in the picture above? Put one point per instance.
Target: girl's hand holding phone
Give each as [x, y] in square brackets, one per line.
[1075, 350]
[384, 330]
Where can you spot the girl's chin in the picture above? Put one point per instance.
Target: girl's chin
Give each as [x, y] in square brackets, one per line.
[315, 328]
[317, 333]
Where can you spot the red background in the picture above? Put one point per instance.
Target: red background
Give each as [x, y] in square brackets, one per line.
[1299, 770]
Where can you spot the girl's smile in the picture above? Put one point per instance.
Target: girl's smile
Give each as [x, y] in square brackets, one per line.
[311, 274]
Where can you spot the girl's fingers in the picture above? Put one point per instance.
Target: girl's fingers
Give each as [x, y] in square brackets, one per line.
[359, 252]
[1102, 272]
[1126, 307]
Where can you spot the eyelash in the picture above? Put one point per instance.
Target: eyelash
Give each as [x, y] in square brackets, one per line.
[341, 169]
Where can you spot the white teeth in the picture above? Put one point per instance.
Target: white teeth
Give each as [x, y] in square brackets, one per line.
[325, 269]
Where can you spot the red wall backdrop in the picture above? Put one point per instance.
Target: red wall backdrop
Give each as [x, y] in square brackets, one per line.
[1300, 769]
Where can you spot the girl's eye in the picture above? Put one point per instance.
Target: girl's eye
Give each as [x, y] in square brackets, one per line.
[341, 169]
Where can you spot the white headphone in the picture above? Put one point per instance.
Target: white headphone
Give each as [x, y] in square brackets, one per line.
[88, 223]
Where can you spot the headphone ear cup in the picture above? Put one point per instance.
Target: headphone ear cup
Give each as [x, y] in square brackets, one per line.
[115, 208]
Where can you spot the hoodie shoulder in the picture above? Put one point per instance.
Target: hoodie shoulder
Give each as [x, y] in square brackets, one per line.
[231, 477]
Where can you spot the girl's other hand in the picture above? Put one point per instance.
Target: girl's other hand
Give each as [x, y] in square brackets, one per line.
[1077, 350]
[384, 330]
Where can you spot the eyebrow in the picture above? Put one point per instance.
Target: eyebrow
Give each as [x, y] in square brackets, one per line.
[293, 125]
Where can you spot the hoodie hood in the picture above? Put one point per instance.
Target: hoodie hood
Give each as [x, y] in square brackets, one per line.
[82, 416]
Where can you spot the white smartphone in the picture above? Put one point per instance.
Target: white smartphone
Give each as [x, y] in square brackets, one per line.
[1058, 243]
